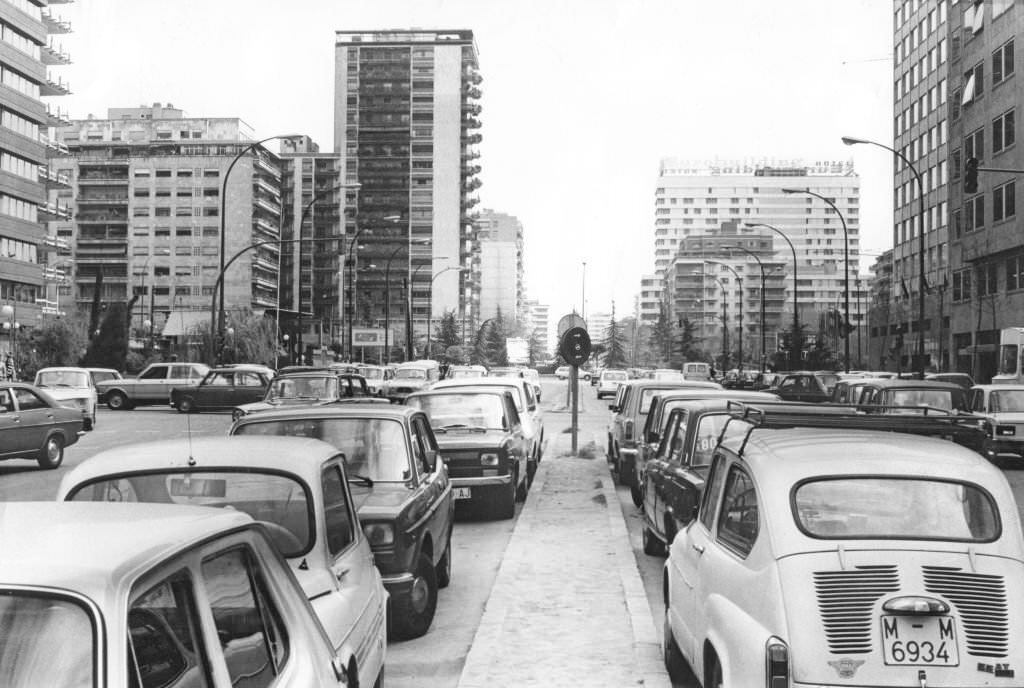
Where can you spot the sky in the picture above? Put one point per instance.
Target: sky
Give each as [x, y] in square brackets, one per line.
[581, 100]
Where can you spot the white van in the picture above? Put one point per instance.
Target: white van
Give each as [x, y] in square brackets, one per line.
[697, 371]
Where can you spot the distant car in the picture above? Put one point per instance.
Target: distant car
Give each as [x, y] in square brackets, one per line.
[533, 375]
[375, 377]
[562, 372]
[71, 387]
[143, 595]
[697, 370]
[481, 436]
[99, 375]
[809, 386]
[962, 379]
[410, 377]
[152, 386]
[847, 555]
[1003, 406]
[667, 375]
[609, 381]
[310, 388]
[458, 371]
[506, 372]
[295, 488]
[401, 489]
[35, 426]
[898, 396]
[221, 388]
[848, 390]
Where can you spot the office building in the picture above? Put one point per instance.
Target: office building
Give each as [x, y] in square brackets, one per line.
[538, 321]
[29, 59]
[406, 125]
[648, 302]
[501, 265]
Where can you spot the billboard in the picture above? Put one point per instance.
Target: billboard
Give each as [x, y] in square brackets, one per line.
[518, 350]
[368, 336]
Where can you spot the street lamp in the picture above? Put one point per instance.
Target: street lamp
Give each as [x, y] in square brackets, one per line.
[761, 266]
[11, 326]
[846, 272]
[797, 340]
[739, 281]
[223, 221]
[851, 141]
[430, 313]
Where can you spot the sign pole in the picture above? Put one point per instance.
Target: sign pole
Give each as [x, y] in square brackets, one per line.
[574, 390]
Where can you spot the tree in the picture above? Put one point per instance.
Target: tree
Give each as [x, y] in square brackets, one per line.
[109, 348]
[661, 336]
[614, 344]
[56, 342]
[535, 349]
[446, 332]
[686, 342]
[494, 341]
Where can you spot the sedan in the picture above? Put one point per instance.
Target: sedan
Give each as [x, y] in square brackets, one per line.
[221, 388]
[34, 426]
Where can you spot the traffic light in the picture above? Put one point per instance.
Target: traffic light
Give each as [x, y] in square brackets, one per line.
[971, 176]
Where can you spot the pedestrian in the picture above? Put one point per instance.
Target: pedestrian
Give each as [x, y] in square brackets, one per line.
[9, 372]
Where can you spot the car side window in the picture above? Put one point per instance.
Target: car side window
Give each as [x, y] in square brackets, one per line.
[738, 520]
[155, 373]
[787, 383]
[668, 437]
[28, 400]
[978, 400]
[338, 519]
[248, 380]
[165, 647]
[250, 630]
[6, 402]
[422, 436]
[418, 455]
[220, 380]
[710, 497]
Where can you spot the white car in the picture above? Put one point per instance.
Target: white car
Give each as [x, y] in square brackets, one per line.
[126, 595]
[71, 387]
[825, 555]
[608, 383]
[295, 487]
[1003, 406]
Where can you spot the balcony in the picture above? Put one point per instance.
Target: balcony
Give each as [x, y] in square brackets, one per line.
[55, 117]
[56, 243]
[471, 123]
[97, 217]
[55, 24]
[53, 146]
[53, 180]
[53, 55]
[95, 199]
[53, 211]
[54, 88]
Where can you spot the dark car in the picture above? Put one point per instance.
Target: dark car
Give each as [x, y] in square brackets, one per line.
[902, 396]
[811, 386]
[221, 388]
[402, 493]
[34, 426]
[481, 434]
[311, 388]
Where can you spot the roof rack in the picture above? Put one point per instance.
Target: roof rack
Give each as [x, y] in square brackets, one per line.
[965, 429]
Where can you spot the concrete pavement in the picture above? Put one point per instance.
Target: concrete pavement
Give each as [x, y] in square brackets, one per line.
[568, 607]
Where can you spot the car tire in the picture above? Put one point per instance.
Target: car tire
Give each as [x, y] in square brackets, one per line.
[637, 493]
[118, 401]
[444, 567]
[412, 614]
[714, 674]
[186, 405]
[88, 423]
[523, 486]
[652, 545]
[675, 663]
[52, 454]
[504, 504]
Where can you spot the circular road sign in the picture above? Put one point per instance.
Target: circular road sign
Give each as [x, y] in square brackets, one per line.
[575, 346]
[567, 322]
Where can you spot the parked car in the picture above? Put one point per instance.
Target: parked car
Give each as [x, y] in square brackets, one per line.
[912, 396]
[153, 595]
[296, 488]
[412, 377]
[152, 386]
[99, 375]
[563, 372]
[459, 371]
[848, 390]
[71, 387]
[533, 375]
[805, 567]
[765, 381]
[962, 379]
[527, 405]
[310, 388]
[35, 426]
[221, 388]
[401, 490]
[632, 402]
[810, 386]
[480, 433]
[1003, 406]
[609, 381]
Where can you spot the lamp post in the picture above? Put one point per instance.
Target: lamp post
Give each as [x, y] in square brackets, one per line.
[851, 141]
[223, 224]
[739, 281]
[430, 313]
[9, 312]
[760, 265]
[583, 293]
[797, 343]
[387, 294]
[846, 272]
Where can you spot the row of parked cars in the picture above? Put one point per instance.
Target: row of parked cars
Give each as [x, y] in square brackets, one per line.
[333, 531]
[826, 544]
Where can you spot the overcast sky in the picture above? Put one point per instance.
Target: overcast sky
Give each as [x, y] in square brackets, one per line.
[581, 99]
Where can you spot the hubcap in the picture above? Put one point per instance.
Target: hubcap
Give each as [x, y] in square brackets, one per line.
[52, 451]
[419, 595]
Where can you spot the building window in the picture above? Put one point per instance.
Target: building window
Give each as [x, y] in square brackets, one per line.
[1015, 273]
[974, 144]
[962, 285]
[974, 213]
[1004, 202]
[163, 212]
[1002, 62]
[1000, 6]
[974, 84]
[1003, 131]
[988, 283]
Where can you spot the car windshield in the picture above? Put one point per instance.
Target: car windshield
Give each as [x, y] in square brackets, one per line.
[62, 378]
[453, 374]
[374, 448]
[460, 409]
[895, 508]
[410, 374]
[371, 373]
[32, 626]
[616, 376]
[1011, 401]
[278, 500]
[325, 387]
[936, 398]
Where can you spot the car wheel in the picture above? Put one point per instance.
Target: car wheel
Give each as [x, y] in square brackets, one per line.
[504, 504]
[524, 486]
[679, 670]
[714, 674]
[637, 493]
[52, 453]
[444, 567]
[88, 422]
[118, 401]
[186, 405]
[413, 613]
[652, 545]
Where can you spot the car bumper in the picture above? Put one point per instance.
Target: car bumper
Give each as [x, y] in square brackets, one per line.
[1004, 449]
[481, 481]
[628, 457]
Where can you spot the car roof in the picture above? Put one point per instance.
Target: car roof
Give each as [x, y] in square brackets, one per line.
[301, 456]
[99, 548]
[74, 369]
[996, 387]
[671, 384]
[461, 389]
[482, 382]
[725, 394]
[908, 383]
[358, 410]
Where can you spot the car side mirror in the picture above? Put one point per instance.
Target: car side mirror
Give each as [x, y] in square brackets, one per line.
[431, 460]
[652, 436]
[613, 407]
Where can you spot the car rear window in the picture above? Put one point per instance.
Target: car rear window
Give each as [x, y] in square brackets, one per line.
[936, 398]
[895, 508]
[614, 376]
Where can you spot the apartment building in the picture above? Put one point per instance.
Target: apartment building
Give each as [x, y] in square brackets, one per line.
[30, 53]
[406, 125]
[501, 264]
[153, 206]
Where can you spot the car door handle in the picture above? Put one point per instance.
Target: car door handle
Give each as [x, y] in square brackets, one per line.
[699, 549]
[340, 575]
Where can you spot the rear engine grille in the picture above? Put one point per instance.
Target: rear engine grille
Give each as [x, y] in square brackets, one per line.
[981, 601]
[846, 600]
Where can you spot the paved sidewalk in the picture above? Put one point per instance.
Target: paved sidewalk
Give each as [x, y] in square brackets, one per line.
[567, 607]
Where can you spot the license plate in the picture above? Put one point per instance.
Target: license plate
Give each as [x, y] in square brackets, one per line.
[920, 640]
[462, 493]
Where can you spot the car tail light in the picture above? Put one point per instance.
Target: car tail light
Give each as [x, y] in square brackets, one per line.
[916, 605]
[627, 431]
[777, 664]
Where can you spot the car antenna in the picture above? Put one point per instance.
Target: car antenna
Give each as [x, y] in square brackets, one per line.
[188, 431]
